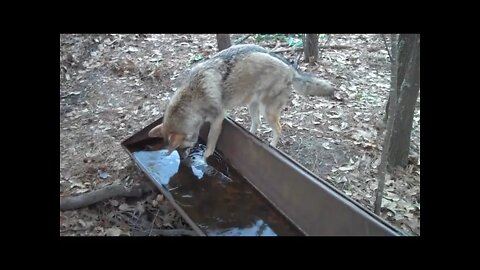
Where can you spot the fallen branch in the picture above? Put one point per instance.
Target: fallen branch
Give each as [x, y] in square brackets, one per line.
[173, 232]
[83, 200]
[288, 50]
[333, 47]
[70, 94]
[297, 61]
[240, 40]
[324, 45]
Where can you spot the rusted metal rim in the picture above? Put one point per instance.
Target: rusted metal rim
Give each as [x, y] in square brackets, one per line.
[312, 204]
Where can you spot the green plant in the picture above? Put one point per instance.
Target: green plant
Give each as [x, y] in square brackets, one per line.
[295, 42]
[195, 58]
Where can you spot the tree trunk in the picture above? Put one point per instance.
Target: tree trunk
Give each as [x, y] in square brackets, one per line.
[310, 46]
[402, 98]
[408, 86]
[223, 41]
[393, 71]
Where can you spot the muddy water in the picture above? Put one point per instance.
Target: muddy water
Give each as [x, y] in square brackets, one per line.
[215, 196]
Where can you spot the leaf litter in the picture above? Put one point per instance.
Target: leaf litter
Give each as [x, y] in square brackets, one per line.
[114, 85]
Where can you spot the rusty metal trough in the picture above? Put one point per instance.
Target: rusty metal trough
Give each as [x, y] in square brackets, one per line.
[312, 205]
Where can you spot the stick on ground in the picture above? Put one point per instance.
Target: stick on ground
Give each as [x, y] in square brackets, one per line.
[95, 196]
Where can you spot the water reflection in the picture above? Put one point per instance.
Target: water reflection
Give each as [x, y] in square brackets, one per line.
[159, 165]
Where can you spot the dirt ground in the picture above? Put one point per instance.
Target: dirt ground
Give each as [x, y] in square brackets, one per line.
[111, 86]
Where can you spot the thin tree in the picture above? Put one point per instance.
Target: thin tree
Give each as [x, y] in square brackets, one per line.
[310, 48]
[223, 41]
[401, 94]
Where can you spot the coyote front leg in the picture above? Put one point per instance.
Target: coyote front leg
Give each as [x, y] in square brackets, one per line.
[213, 134]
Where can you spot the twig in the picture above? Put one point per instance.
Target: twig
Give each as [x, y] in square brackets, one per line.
[110, 43]
[276, 46]
[153, 222]
[113, 220]
[324, 45]
[170, 189]
[240, 40]
[173, 232]
[75, 230]
[288, 50]
[297, 61]
[336, 47]
[70, 94]
[333, 47]
[386, 47]
[83, 200]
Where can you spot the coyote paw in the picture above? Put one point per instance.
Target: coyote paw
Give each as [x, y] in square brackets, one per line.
[274, 143]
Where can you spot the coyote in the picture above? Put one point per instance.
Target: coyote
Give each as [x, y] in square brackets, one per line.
[237, 76]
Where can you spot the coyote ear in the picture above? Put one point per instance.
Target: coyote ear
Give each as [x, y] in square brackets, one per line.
[175, 140]
[156, 131]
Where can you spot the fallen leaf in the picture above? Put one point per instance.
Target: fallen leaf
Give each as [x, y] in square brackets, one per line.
[83, 190]
[373, 185]
[295, 102]
[334, 128]
[325, 145]
[123, 207]
[391, 196]
[342, 179]
[99, 229]
[114, 203]
[103, 174]
[77, 184]
[82, 223]
[362, 135]
[132, 49]
[417, 205]
[115, 231]
[335, 116]
[389, 205]
[408, 206]
[140, 208]
[376, 163]
[155, 59]
[347, 168]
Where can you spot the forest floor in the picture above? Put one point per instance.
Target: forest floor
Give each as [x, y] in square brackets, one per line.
[112, 86]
